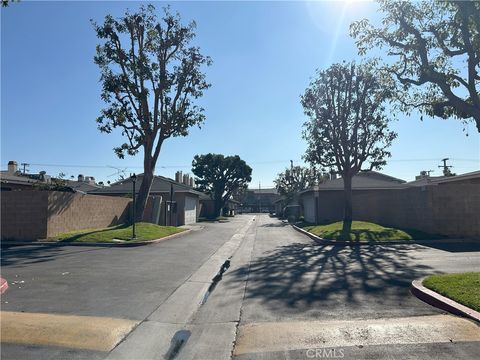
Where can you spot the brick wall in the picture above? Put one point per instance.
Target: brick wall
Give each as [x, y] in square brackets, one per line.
[448, 209]
[32, 215]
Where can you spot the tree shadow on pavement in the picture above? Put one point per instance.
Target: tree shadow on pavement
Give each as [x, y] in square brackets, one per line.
[20, 256]
[275, 224]
[455, 246]
[305, 276]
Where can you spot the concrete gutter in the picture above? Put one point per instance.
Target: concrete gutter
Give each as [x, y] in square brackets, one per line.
[323, 241]
[177, 326]
[101, 244]
[435, 299]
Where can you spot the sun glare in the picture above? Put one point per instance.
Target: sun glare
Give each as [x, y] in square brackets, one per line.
[333, 17]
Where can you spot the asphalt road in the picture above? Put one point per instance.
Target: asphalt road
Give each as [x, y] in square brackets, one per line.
[125, 283]
[345, 291]
[283, 296]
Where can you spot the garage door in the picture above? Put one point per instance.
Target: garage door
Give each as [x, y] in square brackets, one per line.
[190, 210]
[309, 209]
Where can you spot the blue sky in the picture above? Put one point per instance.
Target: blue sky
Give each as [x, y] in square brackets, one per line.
[264, 55]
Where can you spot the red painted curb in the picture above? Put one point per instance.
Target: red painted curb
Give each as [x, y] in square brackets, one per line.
[435, 299]
[3, 285]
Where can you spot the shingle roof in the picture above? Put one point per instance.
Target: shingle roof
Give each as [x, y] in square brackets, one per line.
[160, 184]
[362, 181]
[264, 191]
[14, 179]
[82, 186]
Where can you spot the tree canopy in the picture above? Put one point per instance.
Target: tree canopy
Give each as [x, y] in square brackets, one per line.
[151, 76]
[220, 176]
[434, 54]
[347, 127]
[295, 179]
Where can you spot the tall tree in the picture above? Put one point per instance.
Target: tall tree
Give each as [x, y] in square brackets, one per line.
[151, 76]
[220, 177]
[435, 48]
[347, 128]
[295, 179]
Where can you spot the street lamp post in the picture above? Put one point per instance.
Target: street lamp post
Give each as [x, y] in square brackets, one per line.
[171, 204]
[134, 180]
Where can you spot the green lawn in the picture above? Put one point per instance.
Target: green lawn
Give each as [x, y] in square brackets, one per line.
[462, 288]
[366, 231]
[144, 231]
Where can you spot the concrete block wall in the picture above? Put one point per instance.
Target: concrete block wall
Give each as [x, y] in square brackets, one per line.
[71, 212]
[447, 209]
[24, 215]
[33, 215]
[458, 210]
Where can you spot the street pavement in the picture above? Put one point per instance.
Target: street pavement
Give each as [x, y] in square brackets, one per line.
[305, 300]
[282, 297]
[114, 283]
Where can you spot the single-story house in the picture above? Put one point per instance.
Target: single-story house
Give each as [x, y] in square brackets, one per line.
[11, 182]
[258, 200]
[208, 207]
[170, 202]
[13, 179]
[323, 203]
[83, 184]
[446, 205]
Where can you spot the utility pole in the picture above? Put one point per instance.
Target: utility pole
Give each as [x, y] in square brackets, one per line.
[446, 168]
[25, 165]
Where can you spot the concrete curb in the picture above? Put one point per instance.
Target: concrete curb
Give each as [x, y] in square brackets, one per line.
[99, 244]
[435, 299]
[3, 285]
[323, 241]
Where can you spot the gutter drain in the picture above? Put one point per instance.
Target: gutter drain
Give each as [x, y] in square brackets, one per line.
[177, 343]
[216, 280]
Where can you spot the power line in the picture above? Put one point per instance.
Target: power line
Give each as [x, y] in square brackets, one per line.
[100, 166]
[187, 166]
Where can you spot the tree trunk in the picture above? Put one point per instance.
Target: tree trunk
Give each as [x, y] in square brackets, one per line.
[347, 212]
[218, 208]
[218, 205]
[144, 191]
